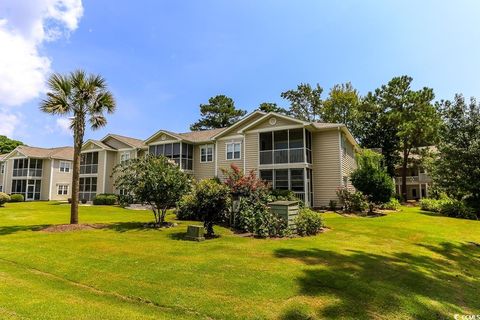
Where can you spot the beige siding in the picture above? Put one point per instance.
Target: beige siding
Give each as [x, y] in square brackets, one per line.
[223, 163]
[243, 125]
[251, 151]
[109, 165]
[326, 166]
[280, 122]
[349, 163]
[58, 178]
[45, 184]
[114, 143]
[203, 170]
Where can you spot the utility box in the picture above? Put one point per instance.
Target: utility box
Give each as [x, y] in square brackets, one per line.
[287, 210]
[195, 233]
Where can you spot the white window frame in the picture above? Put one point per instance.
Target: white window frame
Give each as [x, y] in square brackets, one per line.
[233, 152]
[206, 147]
[2, 168]
[64, 165]
[124, 157]
[62, 189]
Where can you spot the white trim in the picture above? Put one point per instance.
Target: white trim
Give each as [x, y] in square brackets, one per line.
[52, 163]
[236, 136]
[233, 155]
[60, 166]
[168, 133]
[110, 136]
[105, 173]
[244, 152]
[265, 117]
[279, 128]
[237, 123]
[95, 143]
[210, 145]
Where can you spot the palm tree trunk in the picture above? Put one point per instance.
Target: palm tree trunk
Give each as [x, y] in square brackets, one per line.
[78, 133]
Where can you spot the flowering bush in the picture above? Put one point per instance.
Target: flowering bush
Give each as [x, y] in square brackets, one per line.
[353, 201]
[245, 184]
[4, 198]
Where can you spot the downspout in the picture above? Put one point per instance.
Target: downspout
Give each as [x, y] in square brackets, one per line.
[340, 155]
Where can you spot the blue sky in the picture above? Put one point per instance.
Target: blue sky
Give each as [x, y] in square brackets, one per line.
[163, 58]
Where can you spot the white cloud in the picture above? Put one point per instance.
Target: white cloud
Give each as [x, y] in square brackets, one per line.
[8, 122]
[24, 26]
[64, 125]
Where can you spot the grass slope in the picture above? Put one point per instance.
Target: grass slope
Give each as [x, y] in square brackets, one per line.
[405, 265]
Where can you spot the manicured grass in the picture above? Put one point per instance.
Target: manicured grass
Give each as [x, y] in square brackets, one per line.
[404, 265]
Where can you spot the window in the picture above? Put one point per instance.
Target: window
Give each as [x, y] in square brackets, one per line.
[124, 157]
[27, 167]
[30, 189]
[233, 151]
[181, 153]
[284, 146]
[89, 163]
[2, 168]
[62, 189]
[206, 153]
[344, 146]
[285, 179]
[88, 188]
[65, 166]
[1, 188]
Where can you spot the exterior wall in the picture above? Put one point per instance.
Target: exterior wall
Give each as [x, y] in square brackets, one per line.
[59, 178]
[2, 177]
[223, 163]
[251, 151]
[45, 184]
[349, 163]
[101, 168]
[326, 166]
[203, 170]
[107, 170]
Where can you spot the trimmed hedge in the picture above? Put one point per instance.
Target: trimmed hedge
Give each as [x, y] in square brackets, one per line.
[308, 222]
[105, 199]
[17, 198]
[4, 198]
[393, 204]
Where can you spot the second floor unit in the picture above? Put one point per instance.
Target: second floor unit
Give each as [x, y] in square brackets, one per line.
[37, 173]
[312, 159]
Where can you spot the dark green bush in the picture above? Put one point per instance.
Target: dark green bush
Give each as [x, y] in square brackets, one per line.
[4, 198]
[353, 201]
[332, 205]
[187, 208]
[458, 209]
[213, 200]
[308, 222]
[105, 199]
[17, 198]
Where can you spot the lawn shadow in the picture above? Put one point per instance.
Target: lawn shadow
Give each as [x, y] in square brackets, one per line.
[430, 213]
[129, 226]
[178, 236]
[6, 230]
[366, 284]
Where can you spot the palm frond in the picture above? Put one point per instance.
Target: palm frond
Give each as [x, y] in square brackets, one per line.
[97, 121]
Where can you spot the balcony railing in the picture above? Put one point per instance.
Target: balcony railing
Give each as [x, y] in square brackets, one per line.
[27, 172]
[300, 196]
[421, 178]
[295, 155]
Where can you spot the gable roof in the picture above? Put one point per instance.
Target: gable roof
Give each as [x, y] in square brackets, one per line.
[159, 132]
[269, 115]
[201, 136]
[132, 142]
[99, 144]
[63, 153]
[238, 123]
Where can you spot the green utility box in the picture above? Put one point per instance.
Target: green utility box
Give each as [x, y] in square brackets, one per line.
[195, 233]
[286, 210]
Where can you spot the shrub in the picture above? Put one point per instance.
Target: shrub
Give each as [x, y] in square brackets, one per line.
[4, 198]
[246, 185]
[332, 205]
[353, 201]
[257, 218]
[17, 198]
[308, 222]
[105, 199]
[458, 209]
[393, 204]
[372, 179]
[187, 208]
[212, 200]
[284, 195]
[432, 205]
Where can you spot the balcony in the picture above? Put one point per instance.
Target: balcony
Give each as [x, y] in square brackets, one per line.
[293, 155]
[421, 178]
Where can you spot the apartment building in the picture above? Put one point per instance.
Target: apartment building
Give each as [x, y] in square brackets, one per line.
[37, 173]
[312, 159]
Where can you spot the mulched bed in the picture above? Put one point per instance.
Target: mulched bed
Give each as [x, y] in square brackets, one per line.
[73, 227]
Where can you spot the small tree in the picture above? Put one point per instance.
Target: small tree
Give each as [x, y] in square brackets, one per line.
[246, 185]
[372, 179]
[220, 112]
[212, 199]
[156, 181]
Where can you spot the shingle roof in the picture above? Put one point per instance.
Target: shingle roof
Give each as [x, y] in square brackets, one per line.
[137, 143]
[200, 136]
[100, 144]
[64, 153]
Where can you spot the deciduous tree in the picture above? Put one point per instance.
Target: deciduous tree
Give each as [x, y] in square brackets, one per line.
[305, 102]
[7, 145]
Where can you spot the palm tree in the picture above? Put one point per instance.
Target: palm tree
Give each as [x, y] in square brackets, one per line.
[81, 97]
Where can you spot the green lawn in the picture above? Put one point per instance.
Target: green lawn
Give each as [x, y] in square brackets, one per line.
[404, 265]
